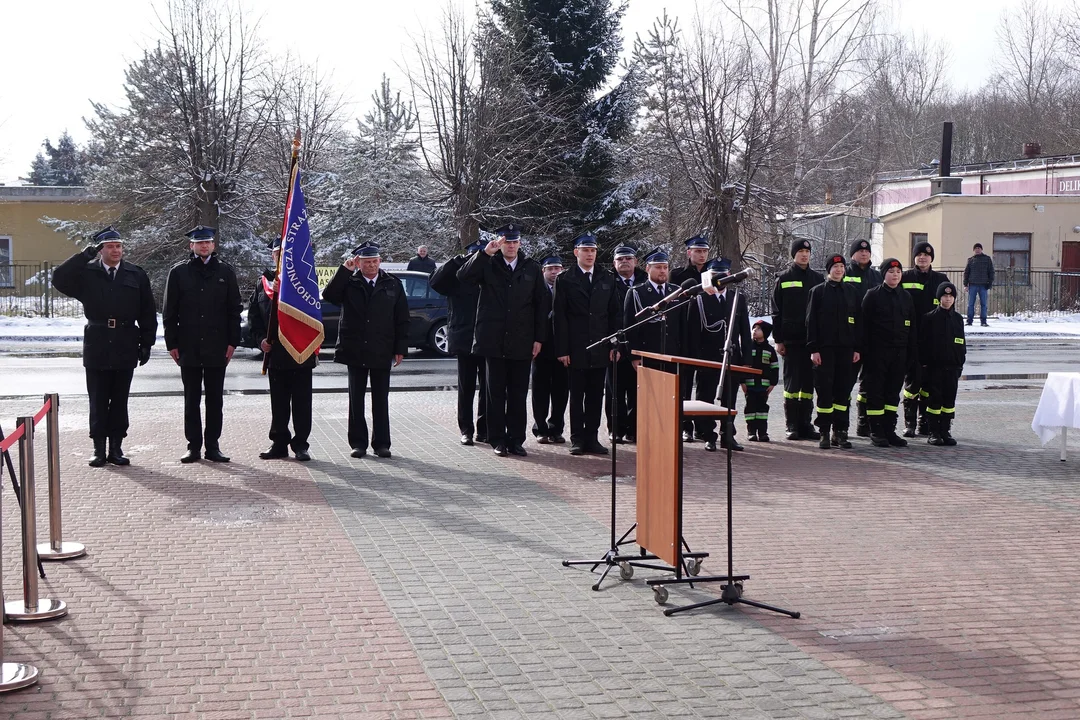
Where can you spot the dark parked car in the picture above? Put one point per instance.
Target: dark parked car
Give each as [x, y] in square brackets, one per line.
[427, 316]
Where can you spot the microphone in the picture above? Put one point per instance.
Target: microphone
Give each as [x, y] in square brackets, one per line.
[689, 287]
[712, 281]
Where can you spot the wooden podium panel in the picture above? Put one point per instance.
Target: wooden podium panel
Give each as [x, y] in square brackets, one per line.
[658, 511]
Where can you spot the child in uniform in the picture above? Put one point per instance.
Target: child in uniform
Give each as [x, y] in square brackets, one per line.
[756, 388]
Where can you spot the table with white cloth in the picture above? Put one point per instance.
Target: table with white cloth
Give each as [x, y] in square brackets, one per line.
[1059, 408]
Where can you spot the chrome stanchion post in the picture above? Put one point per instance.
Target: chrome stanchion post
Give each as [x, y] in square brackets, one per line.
[31, 607]
[12, 675]
[56, 548]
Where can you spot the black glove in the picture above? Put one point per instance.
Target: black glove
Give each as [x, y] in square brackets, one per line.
[144, 355]
[91, 251]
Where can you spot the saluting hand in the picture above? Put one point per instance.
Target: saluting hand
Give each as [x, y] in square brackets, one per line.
[352, 264]
[494, 246]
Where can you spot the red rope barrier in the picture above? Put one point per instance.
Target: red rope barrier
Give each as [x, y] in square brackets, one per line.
[11, 439]
[43, 412]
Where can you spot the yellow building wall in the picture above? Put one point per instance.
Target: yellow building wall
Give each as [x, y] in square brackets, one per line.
[955, 223]
[34, 242]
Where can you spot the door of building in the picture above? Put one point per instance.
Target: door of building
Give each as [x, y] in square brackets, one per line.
[1070, 279]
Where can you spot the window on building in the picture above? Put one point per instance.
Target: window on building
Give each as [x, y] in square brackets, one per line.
[1013, 250]
[7, 271]
[916, 238]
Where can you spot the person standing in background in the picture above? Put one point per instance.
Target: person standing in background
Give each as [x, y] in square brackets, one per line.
[978, 279]
[422, 262]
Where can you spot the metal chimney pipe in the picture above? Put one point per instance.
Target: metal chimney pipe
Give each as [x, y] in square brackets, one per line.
[945, 168]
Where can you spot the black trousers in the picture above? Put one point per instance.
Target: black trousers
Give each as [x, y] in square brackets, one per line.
[108, 392]
[471, 375]
[882, 380]
[586, 401]
[550, 393]
[290, 395]
[687, 375]
[756, 411]
[196, 378]
[915, 392]
[624, 400]
[708, 380]
[508, 392]
[798, 385]
[380, 407]
[941, 384]
[832, 383]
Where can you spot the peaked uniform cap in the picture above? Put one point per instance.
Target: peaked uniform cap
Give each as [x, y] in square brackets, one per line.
[551, 261]
[510, 231]
[890, 263]
[698, 241]
[585, 241]
[367, 250]
[109, 234]
[799, 244]
[474, 247]
[722, 265]
[625, 251]
[200, 233]
[655, 256]
[859, 245]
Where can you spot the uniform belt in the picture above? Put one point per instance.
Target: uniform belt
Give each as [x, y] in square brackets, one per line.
[111, 323]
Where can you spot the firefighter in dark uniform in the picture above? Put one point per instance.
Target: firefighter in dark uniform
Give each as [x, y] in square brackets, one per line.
[697, 257]
[512, 324]
[833, 328]
[790, 297]
[121, 327]
[757, 388]
[461, 319]
[622, 400]
[290, 381]
[201, 315]
[373, 337]
[707, 319]
[586, 309]
[862, 276]
[921, 282]
[658, 335]
[550, 378]
[889, 349]
[942, 352]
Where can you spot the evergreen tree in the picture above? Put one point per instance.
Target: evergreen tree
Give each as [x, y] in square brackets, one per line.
[66, 164]
[568, 50]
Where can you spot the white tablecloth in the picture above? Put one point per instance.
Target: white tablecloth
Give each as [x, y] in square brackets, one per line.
[1059, 406]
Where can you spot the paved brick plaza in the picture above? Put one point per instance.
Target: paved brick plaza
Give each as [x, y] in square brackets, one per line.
[431, 585]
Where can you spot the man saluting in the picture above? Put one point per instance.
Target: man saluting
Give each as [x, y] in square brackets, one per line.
[121, 327]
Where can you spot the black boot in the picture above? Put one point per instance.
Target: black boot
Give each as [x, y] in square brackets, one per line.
[862, 427]
[824, 442]
[99, 457]
[923, 427]
[806, 425]
[791, 418]
[877, 431]
[840, 439]
[911, 416]
[889, 422]
[946, 426]
[116, 453]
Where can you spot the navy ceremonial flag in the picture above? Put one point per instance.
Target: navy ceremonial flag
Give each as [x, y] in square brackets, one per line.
[299, 310]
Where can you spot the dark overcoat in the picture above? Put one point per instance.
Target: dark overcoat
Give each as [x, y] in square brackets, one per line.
[374, 325]
[512, 310]
[584, 314]
[202, 311]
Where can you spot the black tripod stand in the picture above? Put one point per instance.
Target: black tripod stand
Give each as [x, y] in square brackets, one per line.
[613, 558]
[733, 584]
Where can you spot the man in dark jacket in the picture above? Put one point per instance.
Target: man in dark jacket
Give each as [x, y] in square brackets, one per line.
[511, 325]
[862, 276]
[586, 309]
[921, 282]
[697, 257]
[832, 337]
[201, 315]
[978, 279]
[121, 327]
[622, 395]
[943, 350]
[461, 302]
[290, 381]
[889, 349]
[421, 263]
[372, 337]
[550, 378]
[664, 334]
[706, 332]
[790, 297]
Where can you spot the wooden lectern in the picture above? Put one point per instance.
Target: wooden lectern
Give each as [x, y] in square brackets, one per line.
[660, 455]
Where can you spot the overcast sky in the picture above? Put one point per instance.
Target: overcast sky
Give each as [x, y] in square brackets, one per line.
[60, 54]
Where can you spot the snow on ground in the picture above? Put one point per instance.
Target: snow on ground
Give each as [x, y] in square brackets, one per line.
[31, 329]
[1018, 326]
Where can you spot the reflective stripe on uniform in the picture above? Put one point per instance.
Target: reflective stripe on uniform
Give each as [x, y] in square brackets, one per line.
[890, 408]
[861, 398]
[824, 411]
[875, 413]
[851, 320]
[913, 286]
[932, 411]
[958, 341]
[909, 396]
[840, 408]
[948, 411]
[791, 284]
[849, 278]
[924, 393]
[790, 395]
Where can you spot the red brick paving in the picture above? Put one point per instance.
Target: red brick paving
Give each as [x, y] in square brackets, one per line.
[182, 608]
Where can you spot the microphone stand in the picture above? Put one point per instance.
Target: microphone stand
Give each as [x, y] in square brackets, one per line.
[733, 588]
[612, 557]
